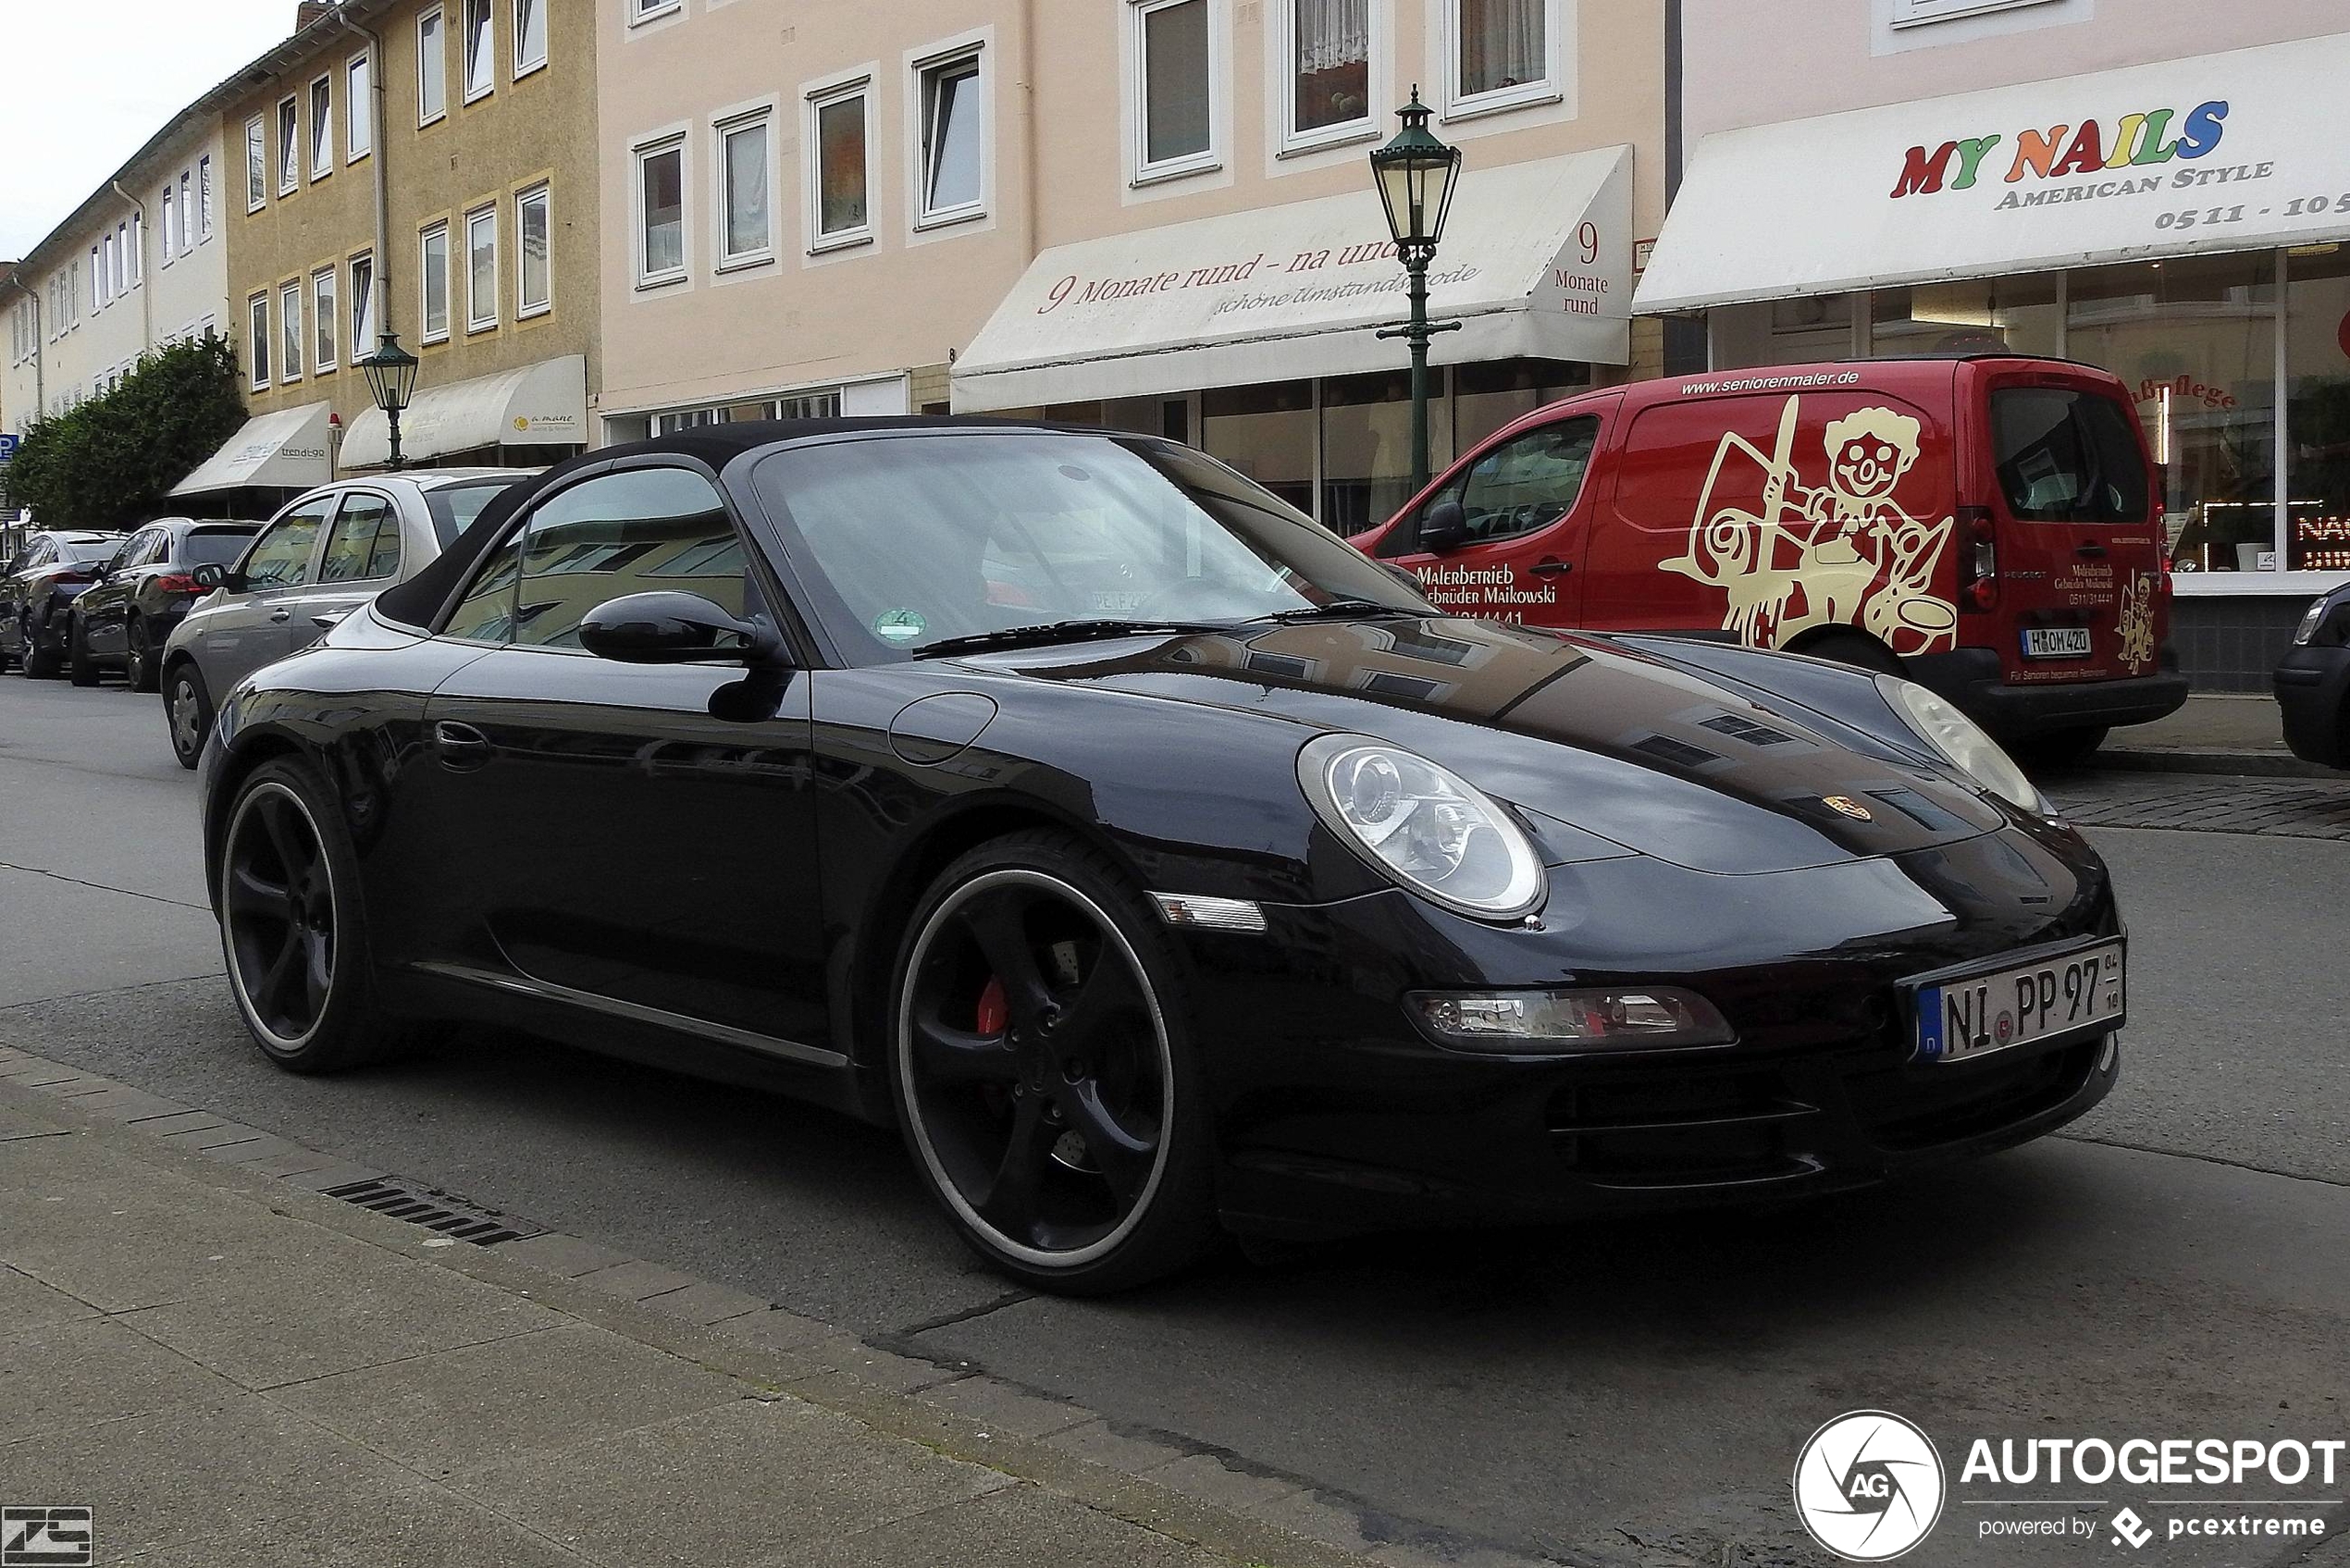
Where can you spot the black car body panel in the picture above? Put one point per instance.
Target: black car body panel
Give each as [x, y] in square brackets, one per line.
[713, 867]
[2312, 683]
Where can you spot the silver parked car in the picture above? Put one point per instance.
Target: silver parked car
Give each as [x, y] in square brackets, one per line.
[329, 553]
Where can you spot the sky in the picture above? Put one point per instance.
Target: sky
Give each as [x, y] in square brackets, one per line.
[84, 85]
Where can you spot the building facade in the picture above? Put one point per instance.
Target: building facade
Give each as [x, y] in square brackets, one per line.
[1148, 214]
[2160, 189]
[424, 168]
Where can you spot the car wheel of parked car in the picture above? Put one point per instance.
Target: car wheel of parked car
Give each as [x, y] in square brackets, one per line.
[38, 663]
[1044, 1071]
[291, 926]
[2062, 748]
[1860, 652]
[139, 663]
[189, 707]
[80, 669]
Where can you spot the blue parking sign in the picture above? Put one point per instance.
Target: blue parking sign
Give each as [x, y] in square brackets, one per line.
[9, 448]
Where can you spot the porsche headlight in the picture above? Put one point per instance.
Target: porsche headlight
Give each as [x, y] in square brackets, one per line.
[1424, 825]
[1961, 741]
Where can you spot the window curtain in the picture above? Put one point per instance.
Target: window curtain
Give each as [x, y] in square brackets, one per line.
[1333, 62]
[1502, 45]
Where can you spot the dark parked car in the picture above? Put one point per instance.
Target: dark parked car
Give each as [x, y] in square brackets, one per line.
[121, 620]
[37, 591]
[2313, 681]
[1278, 900]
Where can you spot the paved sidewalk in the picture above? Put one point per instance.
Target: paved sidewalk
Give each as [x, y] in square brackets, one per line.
[2215, 733]
[226, 1369]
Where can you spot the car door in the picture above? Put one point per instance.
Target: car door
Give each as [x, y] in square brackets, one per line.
[254, 626]
[12, 590]
[623, 843]
[103, 605]
[362, 558]
[1521, 501]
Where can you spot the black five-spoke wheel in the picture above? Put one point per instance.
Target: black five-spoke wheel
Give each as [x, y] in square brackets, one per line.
[1040, 1075]
[278, 907]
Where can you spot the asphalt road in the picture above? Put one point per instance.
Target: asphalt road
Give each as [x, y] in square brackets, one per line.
[2178, 1264]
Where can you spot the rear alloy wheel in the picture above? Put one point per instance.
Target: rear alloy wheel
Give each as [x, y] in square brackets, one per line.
[80, 669]
[38, 663]
[291, 929]
[189, 708]
[1044, 1070]
[139, 655]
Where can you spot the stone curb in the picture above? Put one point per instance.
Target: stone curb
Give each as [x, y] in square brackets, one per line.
[2245, 763]
[1160, 1481]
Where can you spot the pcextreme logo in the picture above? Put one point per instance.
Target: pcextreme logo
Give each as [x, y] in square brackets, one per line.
[2134, 141]
[1869, 1486]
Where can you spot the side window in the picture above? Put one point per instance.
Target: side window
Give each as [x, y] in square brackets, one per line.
[132, 552]
[633, 531]
[155, 551]
[281, 557]
[487, 612]
[364, 543]
[1526, 483]
[37, 556]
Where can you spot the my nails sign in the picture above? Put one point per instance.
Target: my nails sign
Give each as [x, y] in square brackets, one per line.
[2063, 149]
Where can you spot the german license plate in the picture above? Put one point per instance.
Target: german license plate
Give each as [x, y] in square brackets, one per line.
[2055, 642]
[2059, 997]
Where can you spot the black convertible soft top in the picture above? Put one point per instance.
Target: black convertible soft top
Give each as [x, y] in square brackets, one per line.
[419, 601]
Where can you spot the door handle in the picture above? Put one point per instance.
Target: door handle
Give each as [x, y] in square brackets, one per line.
[282, 615]
[2091, 549]
[461, 746]
[1552, 567]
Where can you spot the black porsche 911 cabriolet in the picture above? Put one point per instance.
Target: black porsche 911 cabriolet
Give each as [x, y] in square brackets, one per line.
[1155, 861]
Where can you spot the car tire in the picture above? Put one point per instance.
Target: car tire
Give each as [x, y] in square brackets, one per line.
[293, 928]
[1857, 651]
[38, 663]
[81, 668]
[2062, 748]
[1067, 1133]
[139, 655]
[187, 708]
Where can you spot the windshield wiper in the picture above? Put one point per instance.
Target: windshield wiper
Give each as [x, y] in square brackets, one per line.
[1060, 631]
[1340, 609]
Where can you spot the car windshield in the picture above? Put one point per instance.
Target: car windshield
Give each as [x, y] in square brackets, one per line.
[217, 547]
[455, 508]
[909, 541]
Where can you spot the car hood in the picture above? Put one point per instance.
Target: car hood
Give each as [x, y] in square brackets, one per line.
[1580, 734]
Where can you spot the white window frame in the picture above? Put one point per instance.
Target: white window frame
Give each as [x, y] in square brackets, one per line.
[1291, 141]
[475, 320]
[543, 195]
[467, 94]
[203, 199]
[187, 212]
[322, 127]
[638, 155]
[762, 122]
[1925, 13]
[432, 57]
[938, 59]
[289, 145]
[816, 98]
[1137, 105]
[169, 249]
[102, 271]
[1558, 26]
[426, 332]
[359, 107]
[362, 304]
[290, 332]
[546, 13]
[649, 10]
[326, 319]
[256, 140]
[137, 256]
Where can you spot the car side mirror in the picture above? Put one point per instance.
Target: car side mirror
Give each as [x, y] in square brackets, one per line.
[669, 628]
[1444, 526]
[209, 576]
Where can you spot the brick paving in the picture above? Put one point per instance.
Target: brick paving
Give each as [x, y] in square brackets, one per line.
[2204, 803]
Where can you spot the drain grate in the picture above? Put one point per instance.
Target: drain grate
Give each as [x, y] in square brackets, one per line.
[436, 1210]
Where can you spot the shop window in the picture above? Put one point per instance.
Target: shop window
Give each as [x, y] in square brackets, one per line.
[841, 173]
[2019, 314]
[661, 213]
[2317, 390]
[1366, 445]
[2194, 339]
[1488, 396]
[432, 281]
[534, 259]
[1327, 51]
[1172, 66]
[432, 68]
[1265, 433]
[953, 155]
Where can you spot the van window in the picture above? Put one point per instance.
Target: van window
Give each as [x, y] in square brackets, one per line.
[1529, 481]
[2065, 456]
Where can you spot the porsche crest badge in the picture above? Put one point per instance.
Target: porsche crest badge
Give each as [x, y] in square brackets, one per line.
[1849, 805]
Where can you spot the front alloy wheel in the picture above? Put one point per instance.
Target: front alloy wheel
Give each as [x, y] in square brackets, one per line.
[190, 712]
[1042, 1075]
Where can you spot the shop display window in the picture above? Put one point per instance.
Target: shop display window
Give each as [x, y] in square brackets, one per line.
[2316, 380]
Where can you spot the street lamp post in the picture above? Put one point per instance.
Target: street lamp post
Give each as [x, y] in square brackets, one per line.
[1416, 173]
[391, 379]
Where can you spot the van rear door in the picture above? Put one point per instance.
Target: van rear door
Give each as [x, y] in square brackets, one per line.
[2080, 594]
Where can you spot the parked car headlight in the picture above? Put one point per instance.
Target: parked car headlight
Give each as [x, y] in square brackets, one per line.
[2309, 620]
[1424, 825]
[1961, 742]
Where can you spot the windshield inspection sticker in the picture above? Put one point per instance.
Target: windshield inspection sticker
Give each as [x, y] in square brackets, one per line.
[899, 625]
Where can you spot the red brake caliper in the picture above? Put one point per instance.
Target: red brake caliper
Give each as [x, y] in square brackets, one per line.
[994, 1014]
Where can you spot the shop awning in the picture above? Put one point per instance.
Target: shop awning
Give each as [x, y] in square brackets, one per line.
[1536, 260]
[285, 450]
[2233, 152]
[534, 405]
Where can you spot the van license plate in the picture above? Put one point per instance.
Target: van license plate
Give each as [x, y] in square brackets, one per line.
[2055, 642]
[2070, 994]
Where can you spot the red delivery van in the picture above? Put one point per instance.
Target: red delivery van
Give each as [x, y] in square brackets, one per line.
[1984, 525]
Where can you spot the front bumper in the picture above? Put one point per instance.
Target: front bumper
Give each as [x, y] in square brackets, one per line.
[2313, 687]
[1971, 678]
[1334, 1114]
